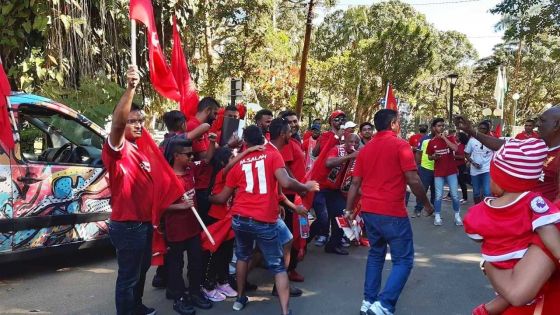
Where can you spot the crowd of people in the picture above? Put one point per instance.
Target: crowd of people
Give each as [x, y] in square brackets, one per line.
[255, 193]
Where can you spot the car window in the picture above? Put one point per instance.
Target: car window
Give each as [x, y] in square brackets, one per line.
[52, 137]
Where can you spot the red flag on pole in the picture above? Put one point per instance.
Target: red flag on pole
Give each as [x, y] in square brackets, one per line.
[189, 96]
[6, 135]
[160, 73]
[498, 131]
[390, 100]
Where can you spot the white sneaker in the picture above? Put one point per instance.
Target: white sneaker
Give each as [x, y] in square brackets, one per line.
[365, 307]
[458, 221]
[377, 309]
[438, 222]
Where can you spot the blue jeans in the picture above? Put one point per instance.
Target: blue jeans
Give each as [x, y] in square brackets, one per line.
[247, 231]
[133, 242]
[453, 183]
[396, 232]
[427, 178]
[328, 204]
[481, 185]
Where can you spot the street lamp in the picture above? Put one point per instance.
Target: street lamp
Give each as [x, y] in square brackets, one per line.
[515, 97]
[452, 79]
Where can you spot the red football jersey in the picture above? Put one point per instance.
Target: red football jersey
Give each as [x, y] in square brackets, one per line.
[219, 211]
[507, 231]
[181, 225]
[524, 136]
[445, 165]
[257, 188]
[293, 156]
[548, 184]
[331, 178]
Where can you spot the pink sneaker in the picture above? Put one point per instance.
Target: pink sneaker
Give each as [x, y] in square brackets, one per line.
[226, 290]
[214, 295]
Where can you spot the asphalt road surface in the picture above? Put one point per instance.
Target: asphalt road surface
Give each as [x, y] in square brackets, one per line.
[445, 280]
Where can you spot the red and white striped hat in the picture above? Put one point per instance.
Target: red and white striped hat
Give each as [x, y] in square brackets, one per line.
[517, 165]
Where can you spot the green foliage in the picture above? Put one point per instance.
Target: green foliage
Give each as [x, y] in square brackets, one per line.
[528, 18]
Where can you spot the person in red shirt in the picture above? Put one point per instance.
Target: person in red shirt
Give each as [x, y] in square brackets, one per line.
[131, 185]
[203, 148]
[414, 140]
[383, 169]
[255, 211]
[308, 145]
[310, 132]
[263, 119]
[337, 119]
[441, 149]
[366, 133]
[182, 233]
[549, 131]
[528, 133]
[294, 157]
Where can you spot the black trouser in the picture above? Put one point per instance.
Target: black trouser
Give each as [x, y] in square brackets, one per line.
[174, 263]
[203, 205]
[463, 178]
[289, 220]
[217, 264]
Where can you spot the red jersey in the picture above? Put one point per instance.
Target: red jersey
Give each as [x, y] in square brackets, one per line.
[548, 183]
[331, 178]
[445, 165]
[257, 188]
[414, 140]
[382, 165]
[507, 231]
[524, 136]
[219, 211]
[202, 170]
[294, 158]
[181, 225]
[130, 182]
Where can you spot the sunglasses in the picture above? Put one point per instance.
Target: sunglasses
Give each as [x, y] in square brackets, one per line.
[140, 121]
[337, 119]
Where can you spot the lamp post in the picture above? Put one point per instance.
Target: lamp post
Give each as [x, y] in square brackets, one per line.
[515, 97]
[452, 79]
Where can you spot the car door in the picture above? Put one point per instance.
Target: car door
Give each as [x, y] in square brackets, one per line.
[60, 192]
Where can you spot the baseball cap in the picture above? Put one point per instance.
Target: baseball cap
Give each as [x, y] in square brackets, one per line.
[349, 124]
[336, 113]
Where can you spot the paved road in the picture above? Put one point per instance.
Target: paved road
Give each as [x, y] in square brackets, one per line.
[445, 280]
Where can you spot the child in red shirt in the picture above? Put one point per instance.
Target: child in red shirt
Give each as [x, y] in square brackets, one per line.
[505, 224]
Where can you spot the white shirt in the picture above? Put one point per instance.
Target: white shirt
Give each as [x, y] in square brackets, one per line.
[480, 155]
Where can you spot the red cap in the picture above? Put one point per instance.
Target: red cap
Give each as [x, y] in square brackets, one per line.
[335, 114]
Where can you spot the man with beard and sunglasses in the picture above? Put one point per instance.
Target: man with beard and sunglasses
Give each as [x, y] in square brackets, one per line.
[203, 148]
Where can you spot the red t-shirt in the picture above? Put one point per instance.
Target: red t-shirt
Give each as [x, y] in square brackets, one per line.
[257, 188]
[548, 183]
[130, 182]
[524, 136]
[202, 170]
[445, 165]
[382, 164]
[331, 178]
[294, 158]
[181, 225]
[325, 137]
[219, 211]
[414, 140]
[460, 151]
[507, 231]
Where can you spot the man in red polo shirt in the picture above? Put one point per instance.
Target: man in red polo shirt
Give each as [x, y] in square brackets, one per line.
[293, 156]
[131, 185]
[548, 125]
[528, 132]
[383, 169]
[203, 148]
[255, 211]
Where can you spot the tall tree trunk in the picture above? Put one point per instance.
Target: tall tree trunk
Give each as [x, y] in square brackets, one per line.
[304, 54]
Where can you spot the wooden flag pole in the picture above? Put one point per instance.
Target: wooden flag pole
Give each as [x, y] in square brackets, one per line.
[133, 42]
[203, 226]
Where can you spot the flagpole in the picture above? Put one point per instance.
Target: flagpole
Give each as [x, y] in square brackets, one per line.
[203, 226]
[133, 42]
[387, 94]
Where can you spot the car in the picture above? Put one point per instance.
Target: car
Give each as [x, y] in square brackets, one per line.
[54, 191]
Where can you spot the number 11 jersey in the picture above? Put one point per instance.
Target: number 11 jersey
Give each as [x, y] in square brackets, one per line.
[256, 194]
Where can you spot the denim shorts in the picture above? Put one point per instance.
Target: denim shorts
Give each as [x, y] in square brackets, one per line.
[248, 231]
[284, 233]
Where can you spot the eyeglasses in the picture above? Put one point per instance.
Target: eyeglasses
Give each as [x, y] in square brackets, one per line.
[140, 121]
[188, 154]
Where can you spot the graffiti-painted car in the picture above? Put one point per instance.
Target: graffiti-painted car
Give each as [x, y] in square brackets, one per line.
[54, 191]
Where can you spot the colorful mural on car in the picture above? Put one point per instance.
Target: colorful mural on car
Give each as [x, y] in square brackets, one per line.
[47, 203]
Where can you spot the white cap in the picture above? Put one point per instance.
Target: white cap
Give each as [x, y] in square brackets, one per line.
[349, 124]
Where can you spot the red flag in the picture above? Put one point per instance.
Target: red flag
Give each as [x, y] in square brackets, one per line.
[498, 131]
[390, 100]
[160, 73]
[221, 231]
[189, 96]
[6, 134]
[167, 190]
